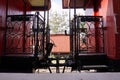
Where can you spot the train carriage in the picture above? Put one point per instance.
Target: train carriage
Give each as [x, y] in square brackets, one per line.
[25, 37]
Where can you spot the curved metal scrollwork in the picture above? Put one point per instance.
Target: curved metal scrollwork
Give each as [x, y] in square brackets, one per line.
[87, 35]
[25, 34]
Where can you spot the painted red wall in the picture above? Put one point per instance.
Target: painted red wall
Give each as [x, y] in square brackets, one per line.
[116, 5]
[110, 10]
[13, 7]
[62, 43]
[2, 23]
[107, 8]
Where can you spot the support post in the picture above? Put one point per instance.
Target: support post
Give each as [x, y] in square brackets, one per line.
[97, 31]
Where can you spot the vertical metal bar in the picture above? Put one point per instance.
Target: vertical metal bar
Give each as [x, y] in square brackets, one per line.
[44, 28]
[36, 36]
[97, 36]
[79, 35]
[71, 30]
[75, 27]
[34, 39]
[103, 36]
[47, 29]
[5, 38]
[71, 38]
[24, 27]
[87, 43]
[96, 13]
[32, 43]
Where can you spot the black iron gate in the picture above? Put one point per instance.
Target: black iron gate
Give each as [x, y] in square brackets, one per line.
[86, 34]
[25, 34]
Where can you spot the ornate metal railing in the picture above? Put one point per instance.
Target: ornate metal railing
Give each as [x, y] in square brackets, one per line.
[25, 34]
[86, 34]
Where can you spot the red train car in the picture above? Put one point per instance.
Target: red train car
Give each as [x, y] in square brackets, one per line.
[108, 9]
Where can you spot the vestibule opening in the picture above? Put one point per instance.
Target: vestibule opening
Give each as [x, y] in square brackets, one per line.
[30, 34]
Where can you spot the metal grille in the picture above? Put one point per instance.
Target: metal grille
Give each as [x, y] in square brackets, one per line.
[24, 34]
[86, 34]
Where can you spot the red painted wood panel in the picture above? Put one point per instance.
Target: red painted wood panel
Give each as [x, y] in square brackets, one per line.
[117, 22]
[62, 43]
[2, 24]
[110, 10]
[116, 4]
[108, 13]
[111, 30]
[117, 46]
[117, 16]
[15, 7]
